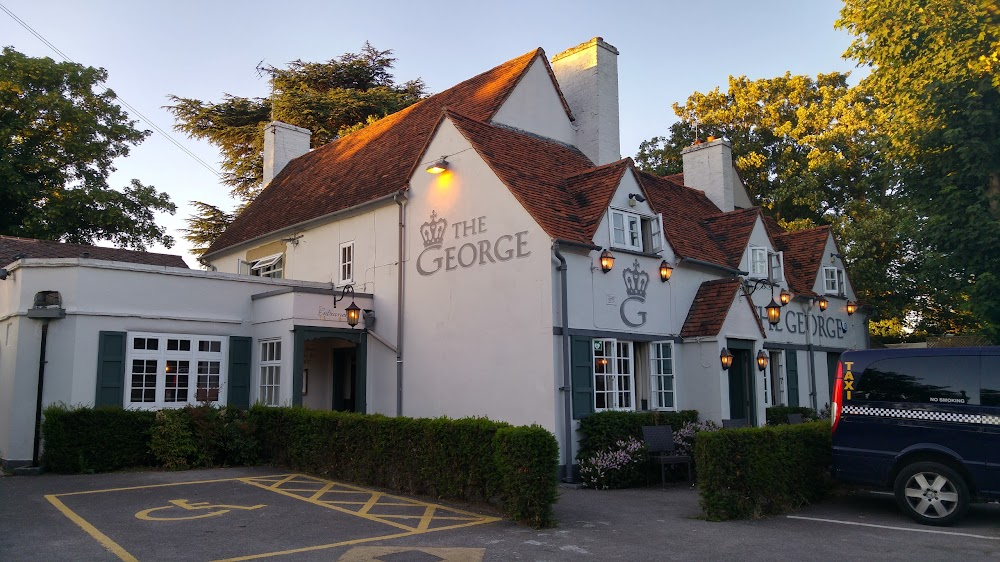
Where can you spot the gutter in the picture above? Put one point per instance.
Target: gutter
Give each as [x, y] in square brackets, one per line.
[713, 265]
[307, 223]
[567, 386]
[400, 199]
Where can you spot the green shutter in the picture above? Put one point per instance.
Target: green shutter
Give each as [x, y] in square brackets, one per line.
[792, 374]
[110, 369]
[239, 371]
[582, 365]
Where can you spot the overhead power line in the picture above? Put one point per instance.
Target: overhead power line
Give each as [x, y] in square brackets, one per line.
[127, 105]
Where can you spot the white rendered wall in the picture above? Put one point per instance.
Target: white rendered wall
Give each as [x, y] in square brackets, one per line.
[478, 341]
[282, 143]
[588, 78]
[534, 106]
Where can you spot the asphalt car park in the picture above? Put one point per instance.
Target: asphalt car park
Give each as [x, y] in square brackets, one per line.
[263, 513]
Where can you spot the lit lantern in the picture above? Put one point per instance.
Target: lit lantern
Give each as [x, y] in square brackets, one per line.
[437, 167]
[785, 297]
[761, 360]
[727, 359]
[607, 261]
[773, 313]
[823, 303]
[353, 315]
[851, 307]
[666, 270]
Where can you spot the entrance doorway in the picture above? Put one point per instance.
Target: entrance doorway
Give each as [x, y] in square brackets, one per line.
[329, 369]
[741, 382]
[345, 370]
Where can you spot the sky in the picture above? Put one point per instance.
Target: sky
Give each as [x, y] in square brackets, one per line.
[204, 49]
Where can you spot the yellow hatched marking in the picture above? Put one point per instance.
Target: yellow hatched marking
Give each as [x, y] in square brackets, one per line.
[100, 537]
[321, 491]
[425, 521]
[370, 503]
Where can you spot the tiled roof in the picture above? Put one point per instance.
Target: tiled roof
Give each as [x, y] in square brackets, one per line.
[711, 306]
[555, 183]
[373, 162]
[731, 231]
[12, 249]
[803, 254]
[684, 210]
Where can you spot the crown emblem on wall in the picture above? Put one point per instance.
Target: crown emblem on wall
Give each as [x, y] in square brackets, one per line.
[433, 231]
[636, 281]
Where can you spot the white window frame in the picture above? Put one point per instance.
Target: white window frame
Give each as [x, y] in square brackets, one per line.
[833, 280]
[269, 371]
[616, 371]
[194, 357]
[345, 264]
[758, 262]
[776, 266]
[662, 374]
[269, 266]
[776, 376]
[640, 233]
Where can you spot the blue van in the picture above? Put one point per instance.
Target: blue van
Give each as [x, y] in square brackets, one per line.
[922, 422]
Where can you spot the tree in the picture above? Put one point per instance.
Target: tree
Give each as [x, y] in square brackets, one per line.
[935, 72]
[329, 99]
[808, 153]
[206, 225]
[60, 131]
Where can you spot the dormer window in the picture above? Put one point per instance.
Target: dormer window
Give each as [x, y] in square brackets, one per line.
[635, 232]
[765, 264]
[270, 266]
[833, 280]
[758, 262]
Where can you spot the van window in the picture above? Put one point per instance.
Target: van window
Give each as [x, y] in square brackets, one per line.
[935, 380]
[991, 380]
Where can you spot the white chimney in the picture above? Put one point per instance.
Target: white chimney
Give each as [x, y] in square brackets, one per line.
[282, 143]
[708, 167]
[588, 78]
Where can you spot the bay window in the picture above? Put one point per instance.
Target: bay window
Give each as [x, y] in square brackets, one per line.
[173, 370]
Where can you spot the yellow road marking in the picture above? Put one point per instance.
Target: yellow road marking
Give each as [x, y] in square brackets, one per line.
[100, 537]
[155, 486]
[425, 521]
[185, 504]
[319, 547]
[321, 491]
[370, 503]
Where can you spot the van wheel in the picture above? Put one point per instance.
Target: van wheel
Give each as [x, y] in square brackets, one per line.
[932, 493]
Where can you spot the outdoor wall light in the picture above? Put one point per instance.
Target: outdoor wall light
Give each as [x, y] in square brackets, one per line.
[761, 360]
[438, 167]
[823, 303]
[666, 270]
[773, 313]
[633, 197]
[607, 261]
[851, 307]
[785, 297]
[353, 311]
[727, 359]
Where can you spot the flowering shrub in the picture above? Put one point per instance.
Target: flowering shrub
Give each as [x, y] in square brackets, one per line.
[684, 437]
[619, 466]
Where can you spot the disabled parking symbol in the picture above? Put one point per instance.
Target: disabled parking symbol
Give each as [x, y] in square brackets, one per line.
[182, 510]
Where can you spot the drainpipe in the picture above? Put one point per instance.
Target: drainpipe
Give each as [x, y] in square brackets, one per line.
[400, 200]
[38, 396]
[567, 386]
[812, 360]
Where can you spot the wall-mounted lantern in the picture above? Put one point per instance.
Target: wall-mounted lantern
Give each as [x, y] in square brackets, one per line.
[726, 357]
[633, 197]
[851, 307]
[773, 313]
[823, 303]
[353, 311]
[785, 297]
[607, 261]
[666, 270]
[761, 360]
[438, 166]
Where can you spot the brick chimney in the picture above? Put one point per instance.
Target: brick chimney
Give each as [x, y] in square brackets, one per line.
[282, 143]
[708, 167]
[588, 78]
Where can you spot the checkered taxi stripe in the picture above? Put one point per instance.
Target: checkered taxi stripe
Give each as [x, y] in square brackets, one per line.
[921, 415]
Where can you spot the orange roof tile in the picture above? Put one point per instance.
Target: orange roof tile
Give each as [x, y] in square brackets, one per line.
[711, 306]
[684, 211]
[731, 231]
[803, 250]
[13, 248]
[370, 163]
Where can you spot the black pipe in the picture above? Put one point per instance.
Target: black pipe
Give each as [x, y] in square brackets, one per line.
[38, 399]
[567, 385]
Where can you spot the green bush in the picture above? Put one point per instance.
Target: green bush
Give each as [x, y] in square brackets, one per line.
[600, 431]
[172, 441]
[620, 466]
[471, 459]
[752, 472]
[96, 439]
[777, 415]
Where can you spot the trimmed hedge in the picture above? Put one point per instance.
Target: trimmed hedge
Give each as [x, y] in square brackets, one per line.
[602, 430]
[472, 459]
[778, 415]
[96, 439]
[752, 472]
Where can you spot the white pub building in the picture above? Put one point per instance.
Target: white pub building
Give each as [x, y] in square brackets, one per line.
[485, 252]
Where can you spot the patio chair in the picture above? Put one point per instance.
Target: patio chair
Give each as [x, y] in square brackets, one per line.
[740, 422]
[660, 443]
[794, 419]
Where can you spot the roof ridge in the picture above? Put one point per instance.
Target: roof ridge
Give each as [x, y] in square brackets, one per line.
[609, 165]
